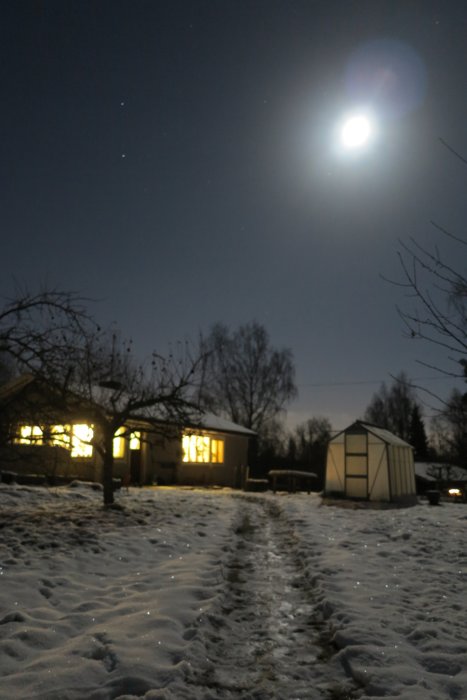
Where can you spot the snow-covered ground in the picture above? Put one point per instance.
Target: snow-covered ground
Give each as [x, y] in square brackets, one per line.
[205, 595]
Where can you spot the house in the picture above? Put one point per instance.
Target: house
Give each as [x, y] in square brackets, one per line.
[370, 463]
[38, 439]
[447, 478]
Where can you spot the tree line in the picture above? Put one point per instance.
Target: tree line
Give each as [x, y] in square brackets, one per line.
[238, 374]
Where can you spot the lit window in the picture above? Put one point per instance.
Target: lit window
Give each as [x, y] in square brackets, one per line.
[119, 443]
[202, 449]
[195, 448]
[60, 436]
[30, 435]
[217, 451]
[81, 437]
[135, 441]
[77, 437]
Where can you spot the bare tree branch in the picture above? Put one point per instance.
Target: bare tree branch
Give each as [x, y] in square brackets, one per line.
[93, 372]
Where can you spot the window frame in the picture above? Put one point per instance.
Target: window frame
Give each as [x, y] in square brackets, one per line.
[200, 448]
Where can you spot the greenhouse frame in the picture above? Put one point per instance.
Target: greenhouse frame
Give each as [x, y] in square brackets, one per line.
[370, 463]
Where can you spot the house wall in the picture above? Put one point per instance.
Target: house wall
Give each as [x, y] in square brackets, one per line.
[160, 461]
[229, 473]
[40, 460]
[47, 461]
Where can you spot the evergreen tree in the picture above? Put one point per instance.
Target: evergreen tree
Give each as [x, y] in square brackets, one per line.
[417, 436]
[392, 408]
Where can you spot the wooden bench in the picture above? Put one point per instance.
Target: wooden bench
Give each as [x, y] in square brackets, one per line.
[291, 480]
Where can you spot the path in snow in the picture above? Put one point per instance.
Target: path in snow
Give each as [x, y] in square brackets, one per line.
[265, 638]
[213, 595]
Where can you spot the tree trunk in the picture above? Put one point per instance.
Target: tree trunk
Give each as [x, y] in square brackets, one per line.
[107, 471]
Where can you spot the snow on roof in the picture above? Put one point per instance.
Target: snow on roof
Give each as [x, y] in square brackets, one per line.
[435, 471]
[211, 422]
[385, 435]
[425, 471]
[208, 421]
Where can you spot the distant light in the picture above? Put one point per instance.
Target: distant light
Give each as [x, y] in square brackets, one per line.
[356, 131]
[455, 492]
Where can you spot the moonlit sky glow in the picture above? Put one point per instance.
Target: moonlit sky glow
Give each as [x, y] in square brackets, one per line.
[356, 131]
[177, 162]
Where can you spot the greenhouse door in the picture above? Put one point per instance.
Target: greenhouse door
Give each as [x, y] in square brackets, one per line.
[356, 465]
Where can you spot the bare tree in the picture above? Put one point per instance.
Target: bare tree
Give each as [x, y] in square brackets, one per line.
[7, 369]
[449, 429]
[438, 300]
[83, 369]
[438, 293]
[396, 408]
[436, 312]
[246, 378]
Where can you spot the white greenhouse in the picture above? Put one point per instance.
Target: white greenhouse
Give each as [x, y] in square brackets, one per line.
[370, 463]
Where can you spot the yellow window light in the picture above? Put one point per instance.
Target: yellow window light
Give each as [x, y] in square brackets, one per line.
[217, 451]
[81, 437]
[30, 435]
[119, 443]
[196, 448]
[60, 436]
[135, 440]
[201, 449]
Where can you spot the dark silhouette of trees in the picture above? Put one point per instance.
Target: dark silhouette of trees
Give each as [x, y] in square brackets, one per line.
[7, 369]
[307, 446]
[303, 448]
[91, 372]
[246, 379]
[450, 429]
[396, 408]
[417, 435]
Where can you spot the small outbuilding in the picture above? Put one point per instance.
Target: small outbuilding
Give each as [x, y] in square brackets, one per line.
[370, 463]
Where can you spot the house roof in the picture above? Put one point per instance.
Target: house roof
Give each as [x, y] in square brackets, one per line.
[208, 421]
[435, 471]
[385, 435]
[424, 470]
[14, 387]
[211, 422]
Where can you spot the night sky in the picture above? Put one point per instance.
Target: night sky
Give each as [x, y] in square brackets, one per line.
[177, 161]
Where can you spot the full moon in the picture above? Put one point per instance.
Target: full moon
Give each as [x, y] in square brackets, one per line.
[356, 131]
